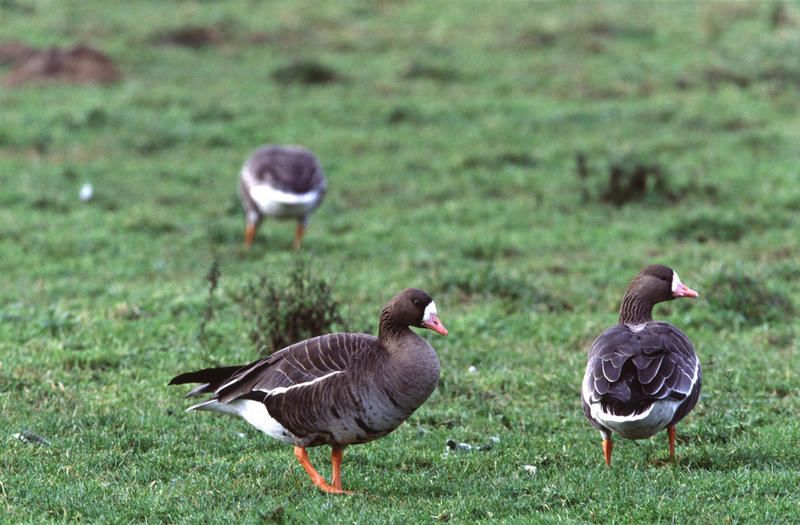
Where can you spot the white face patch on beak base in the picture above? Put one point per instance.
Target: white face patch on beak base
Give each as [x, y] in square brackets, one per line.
[430, 312]
[431, 321]
[675, 281]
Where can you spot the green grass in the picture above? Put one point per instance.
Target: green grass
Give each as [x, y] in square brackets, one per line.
[449, 137]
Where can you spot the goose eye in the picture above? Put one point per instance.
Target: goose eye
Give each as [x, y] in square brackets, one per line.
[415, 301]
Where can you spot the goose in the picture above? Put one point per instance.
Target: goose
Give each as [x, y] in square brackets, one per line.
[642, 376]
[282, 182]
[336, 389]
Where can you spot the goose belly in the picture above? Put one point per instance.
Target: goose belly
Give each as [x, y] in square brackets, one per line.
[282, 204]
[381, 410]
[639, 426]
[354, 428]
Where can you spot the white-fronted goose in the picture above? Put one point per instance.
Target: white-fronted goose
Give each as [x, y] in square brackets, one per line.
[643, 376]
[335, 389]
[282, 182]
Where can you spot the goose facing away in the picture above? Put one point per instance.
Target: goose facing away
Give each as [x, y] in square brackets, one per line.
[282, 182]
[642, 376]
[336, 389]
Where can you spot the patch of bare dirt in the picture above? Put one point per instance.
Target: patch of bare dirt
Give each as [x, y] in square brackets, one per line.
[81, 64]
[12, 52]
[306, 72]
[191, 36]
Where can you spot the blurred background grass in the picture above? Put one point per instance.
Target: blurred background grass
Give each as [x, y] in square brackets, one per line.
[450, 134]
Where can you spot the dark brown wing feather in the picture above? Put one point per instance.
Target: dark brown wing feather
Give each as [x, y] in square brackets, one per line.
[207, 375]
[296, 364]
[338, 414]
[333, 405]
[631, 370]
[299, 363]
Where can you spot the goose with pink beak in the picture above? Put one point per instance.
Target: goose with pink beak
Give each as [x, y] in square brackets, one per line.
[642, 376]
[336, 389]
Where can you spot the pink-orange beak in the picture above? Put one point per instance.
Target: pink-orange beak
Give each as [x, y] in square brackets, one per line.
[684, 291]
[435, 324]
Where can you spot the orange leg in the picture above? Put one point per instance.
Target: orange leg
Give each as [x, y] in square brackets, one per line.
[249, 234]
[298, 235]
[302, 456]
[608, 446]
[336, 464]
[672, 432]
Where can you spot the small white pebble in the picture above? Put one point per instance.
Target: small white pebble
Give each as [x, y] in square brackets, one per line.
[29, 437]
[472, 369]
[86, 192]
[494, 439]
[530, 469]
[241, 435]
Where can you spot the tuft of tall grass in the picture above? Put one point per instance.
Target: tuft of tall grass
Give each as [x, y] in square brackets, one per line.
[284, 309]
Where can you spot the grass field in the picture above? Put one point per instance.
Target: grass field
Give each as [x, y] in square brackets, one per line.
[449, 133]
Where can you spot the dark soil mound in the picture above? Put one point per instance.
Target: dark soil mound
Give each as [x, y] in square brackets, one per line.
[12, 52]
[191, 37]
[78, 65]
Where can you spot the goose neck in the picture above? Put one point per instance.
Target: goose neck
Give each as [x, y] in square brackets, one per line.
[635, 309]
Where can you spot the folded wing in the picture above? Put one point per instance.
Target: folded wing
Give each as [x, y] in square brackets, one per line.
[629, 370]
